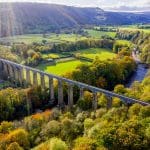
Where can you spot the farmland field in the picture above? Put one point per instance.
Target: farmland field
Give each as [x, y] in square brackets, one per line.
[53, 38]
[67, 66]
[134, 28]
[91, 53]
[60, 68]
[99, 34]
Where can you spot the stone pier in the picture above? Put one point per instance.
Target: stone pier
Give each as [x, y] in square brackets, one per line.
[81, 93]
[35, 79]
[95, 100]
[21, 76]
[60, 93]
[28, 77]
[70, 95]
[42, 81]
[16, 73]
[11, 73]
[6, 70]
[109, 102]
[51, 89]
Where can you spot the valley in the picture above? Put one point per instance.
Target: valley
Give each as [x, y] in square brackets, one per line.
[70, 79]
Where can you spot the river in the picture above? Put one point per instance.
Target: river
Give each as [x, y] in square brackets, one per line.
[138, 75]
[140, 72]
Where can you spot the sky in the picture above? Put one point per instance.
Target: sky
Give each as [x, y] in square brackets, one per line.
[104, 4]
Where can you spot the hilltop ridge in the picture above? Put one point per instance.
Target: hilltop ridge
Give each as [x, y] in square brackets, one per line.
[20, 18]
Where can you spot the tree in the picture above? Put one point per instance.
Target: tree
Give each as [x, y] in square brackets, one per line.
[88, 123]
[120, 89]
[144, 112]
[70, 130]
[103, 133]
[129, 136]
[57, 144]
[101, 82]
[51, 129]
[134, 110]
[145, 56]
[19, 136]
[53, 144]
[84, 143]
[14, 146]
[86, 102]
[5, 127]
[44, 41]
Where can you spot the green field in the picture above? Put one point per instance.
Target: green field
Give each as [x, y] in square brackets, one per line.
[53, 38]
[63, 67]
[125, 42]
[103, 54]
[133, 28]
[60, 68]
[99, 34]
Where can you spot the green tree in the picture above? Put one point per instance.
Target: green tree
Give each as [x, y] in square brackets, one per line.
[84, 143]
[14, 146]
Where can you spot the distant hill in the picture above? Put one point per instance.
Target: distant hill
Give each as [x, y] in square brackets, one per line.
[19, 18]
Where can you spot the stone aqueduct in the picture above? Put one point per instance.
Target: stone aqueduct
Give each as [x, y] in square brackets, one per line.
[22, 74]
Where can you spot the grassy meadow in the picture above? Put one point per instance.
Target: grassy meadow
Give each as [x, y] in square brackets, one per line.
[91, 53]
[133, 28]
[61, 68]
[67, 66]
[99, 34]
[52, 38]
